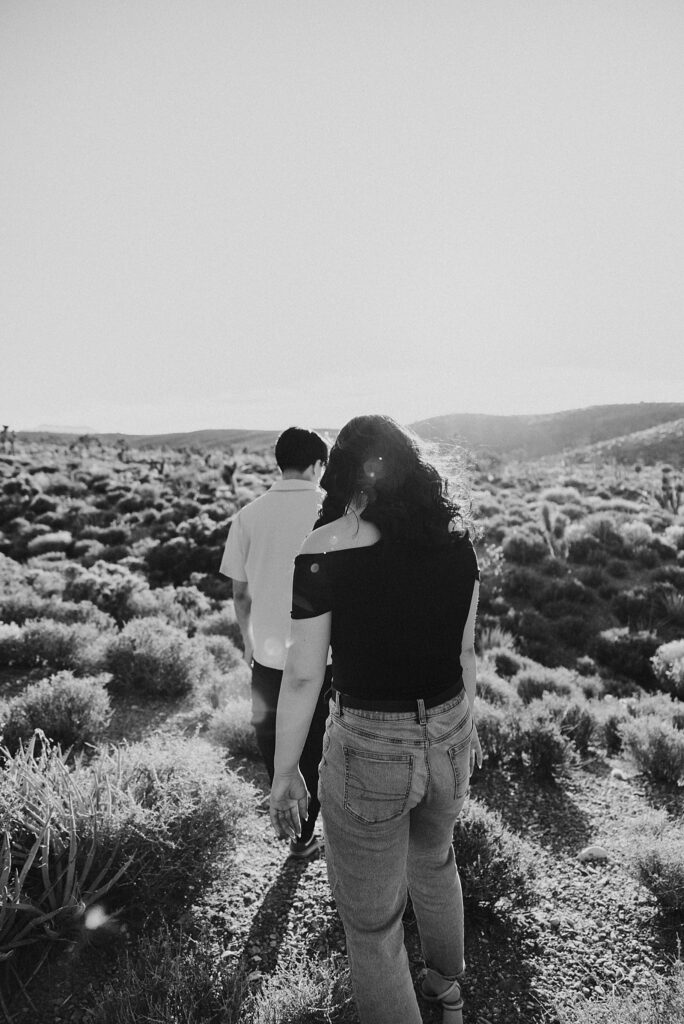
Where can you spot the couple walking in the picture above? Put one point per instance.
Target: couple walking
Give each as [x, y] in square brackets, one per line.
[389, 583]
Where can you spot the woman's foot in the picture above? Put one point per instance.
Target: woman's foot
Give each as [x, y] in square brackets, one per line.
[437, 989]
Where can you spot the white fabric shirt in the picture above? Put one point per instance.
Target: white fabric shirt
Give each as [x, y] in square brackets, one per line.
[262, 543]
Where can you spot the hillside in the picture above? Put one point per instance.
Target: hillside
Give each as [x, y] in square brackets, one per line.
[663, 443]
[254, 440]
[532, 436]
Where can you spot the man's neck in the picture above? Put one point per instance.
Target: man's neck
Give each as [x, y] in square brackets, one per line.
[294, 474]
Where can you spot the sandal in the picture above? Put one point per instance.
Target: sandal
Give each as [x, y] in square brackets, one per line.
[451, 1001]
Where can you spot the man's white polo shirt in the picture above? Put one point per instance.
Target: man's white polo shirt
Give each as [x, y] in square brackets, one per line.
[265, 536]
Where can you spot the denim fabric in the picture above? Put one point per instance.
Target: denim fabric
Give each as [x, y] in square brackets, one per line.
[391, 787]
[265, 692]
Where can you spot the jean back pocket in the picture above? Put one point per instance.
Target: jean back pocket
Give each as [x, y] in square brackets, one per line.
[376, 785]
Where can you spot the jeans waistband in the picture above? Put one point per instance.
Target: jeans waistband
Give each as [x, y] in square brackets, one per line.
[343, 700]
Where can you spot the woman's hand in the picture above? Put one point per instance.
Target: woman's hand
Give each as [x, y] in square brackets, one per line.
[475, 750]
[289, 805]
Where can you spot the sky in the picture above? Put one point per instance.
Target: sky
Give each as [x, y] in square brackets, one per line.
[217, 213]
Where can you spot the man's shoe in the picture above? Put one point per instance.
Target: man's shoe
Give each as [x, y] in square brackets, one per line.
[302, 850]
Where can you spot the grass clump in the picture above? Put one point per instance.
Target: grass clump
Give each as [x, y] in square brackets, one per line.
[493, 863]
[534, 682]
[152, 657]
[72, 712]
[536, 742]
[170, 977]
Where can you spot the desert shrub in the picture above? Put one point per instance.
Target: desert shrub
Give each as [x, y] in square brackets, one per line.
[657, 747]
[585, 665]
[592, 686]
[520, 581]
[674, 535]
[50, 644]
[506, 663]
[72, 712]
[576, 720]
[536, 741]
[304, 989]
[668, 667]
[11, 644]
[225, 654]
[611, 715]
[617, 568]
[535, 681]
[492, 729]
[654, 855]
[152, 657]
[61, 540]
[524, 547]
[583, 547]
[627, 653]
[494, 636]
[231, 729]
[494, 690]
[636, 534]
[560, 495]
[113, 588]
[537, 638]
[223, 623]
[21, 606]
[493, 863]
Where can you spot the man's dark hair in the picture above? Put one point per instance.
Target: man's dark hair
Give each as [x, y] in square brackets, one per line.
[298, 449]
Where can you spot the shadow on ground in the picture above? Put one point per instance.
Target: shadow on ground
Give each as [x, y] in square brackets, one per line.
[544, 813]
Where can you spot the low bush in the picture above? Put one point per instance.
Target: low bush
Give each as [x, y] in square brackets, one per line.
[223, 623]
[654, 854]
[668, 668]
[493, 863]
[60, 541]
[611, 715]
[657, 748]
[492, 729]
[230, 728]
[506, 663]
[152, 657]
[531, 683]
[113, 588]
[537, 742]
[72, 712]
[304, 990]
[576, 720]
[494, 690]
[628, 654]
[524, 547]
[225, 654]
[53, 645]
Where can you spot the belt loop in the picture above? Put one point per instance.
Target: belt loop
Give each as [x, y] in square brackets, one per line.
[421, 710]
[338, 702]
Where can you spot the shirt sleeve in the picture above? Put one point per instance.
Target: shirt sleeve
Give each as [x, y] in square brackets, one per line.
[235, 552]
[311, 590]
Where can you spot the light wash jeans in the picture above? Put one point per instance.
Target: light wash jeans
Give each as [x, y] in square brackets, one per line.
[391, 786]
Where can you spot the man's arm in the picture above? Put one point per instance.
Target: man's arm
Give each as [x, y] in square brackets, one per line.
[242, 599]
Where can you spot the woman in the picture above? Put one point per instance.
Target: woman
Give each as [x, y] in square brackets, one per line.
[389, 581]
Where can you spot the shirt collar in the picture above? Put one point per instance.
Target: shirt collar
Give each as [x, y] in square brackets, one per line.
[294, 485]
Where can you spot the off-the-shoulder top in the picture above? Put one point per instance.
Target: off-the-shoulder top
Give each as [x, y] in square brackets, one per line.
[398, 615]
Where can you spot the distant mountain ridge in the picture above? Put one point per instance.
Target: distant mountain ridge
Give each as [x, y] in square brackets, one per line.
[616, 426]
[550, 433]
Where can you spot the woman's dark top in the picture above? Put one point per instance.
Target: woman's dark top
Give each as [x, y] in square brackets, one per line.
[398, 614]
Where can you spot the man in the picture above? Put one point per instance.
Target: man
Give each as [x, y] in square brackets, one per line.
[259, 557]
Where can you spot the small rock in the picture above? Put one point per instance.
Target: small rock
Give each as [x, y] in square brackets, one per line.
[592, 853]
[617, 773]
[555, 923]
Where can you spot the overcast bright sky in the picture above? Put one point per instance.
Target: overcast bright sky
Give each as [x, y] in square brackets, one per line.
[219, 213]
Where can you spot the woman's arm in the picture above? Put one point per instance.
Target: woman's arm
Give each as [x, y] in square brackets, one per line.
[299, 690]
[469, 666]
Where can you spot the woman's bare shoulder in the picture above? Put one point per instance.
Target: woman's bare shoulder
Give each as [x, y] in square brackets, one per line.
[344, 533]
[322, 539]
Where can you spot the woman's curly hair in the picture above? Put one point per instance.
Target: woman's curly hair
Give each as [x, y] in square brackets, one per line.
[377, 462]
